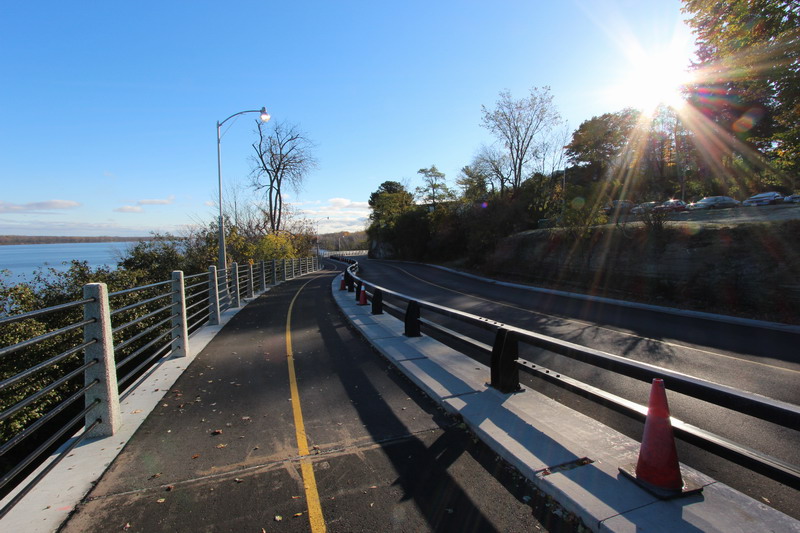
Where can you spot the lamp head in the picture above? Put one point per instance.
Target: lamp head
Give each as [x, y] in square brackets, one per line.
[264, 115]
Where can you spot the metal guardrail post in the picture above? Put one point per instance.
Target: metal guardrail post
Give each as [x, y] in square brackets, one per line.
[236, 297]
[359, 286]
[274, 272]
[263, 277]
[214, 317]
[505, 373]
[250, 281]
[180, 331]
[105, 372]
[412, 320]
[377, 302]
[348, 281]
[302, 262]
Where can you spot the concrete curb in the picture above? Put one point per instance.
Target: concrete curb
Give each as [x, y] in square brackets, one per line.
[734, 320]
[548, 442]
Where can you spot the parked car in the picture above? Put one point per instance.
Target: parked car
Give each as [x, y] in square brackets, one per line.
[643, 208]
[792, 198]
[618, 207]
[670, 206]
[765, 198]
[714, 202]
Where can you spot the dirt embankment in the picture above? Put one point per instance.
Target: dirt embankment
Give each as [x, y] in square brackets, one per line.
[735, 263]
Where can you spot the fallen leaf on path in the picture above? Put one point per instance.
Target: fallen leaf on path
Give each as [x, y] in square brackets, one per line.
[155, 475]
[128, 526]
[195, 456]
[135, 411]
[217, 432]
[278, 518]
[222, 445]
[237, 480]
[297, 514]
[170, 488]
[161, 500]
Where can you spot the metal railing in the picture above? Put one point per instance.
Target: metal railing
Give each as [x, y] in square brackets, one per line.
[506, 364]
[347, 253]
[48, 391]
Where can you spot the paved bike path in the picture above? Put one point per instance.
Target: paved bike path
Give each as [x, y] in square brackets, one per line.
[222, 451]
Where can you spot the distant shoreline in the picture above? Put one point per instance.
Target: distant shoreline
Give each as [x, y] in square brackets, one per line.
[48, 239]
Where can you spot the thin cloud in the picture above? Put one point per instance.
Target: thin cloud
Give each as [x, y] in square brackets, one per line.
[37, 207]
[344, 203]
[129, 209]
[157, 201]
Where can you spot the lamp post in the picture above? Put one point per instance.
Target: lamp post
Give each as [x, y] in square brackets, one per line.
[316, 230]
[264, 118]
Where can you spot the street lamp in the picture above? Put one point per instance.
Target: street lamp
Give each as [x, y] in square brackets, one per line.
[316, 230]
[264, 118]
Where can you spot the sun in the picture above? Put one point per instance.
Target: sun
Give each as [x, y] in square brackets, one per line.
[654, 80]
[651, 74]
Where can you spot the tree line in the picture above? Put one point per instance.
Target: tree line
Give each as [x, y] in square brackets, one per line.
[737, 134]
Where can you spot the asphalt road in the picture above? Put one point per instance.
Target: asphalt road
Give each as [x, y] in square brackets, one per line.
[289, 421]
[765, 362]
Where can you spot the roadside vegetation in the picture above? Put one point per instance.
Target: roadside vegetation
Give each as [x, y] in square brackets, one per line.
[735, 132]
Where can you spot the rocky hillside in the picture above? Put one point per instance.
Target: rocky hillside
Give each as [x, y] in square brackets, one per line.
[746, 269]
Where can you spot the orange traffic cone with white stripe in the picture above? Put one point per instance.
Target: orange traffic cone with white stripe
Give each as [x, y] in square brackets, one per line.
[362, 297]
[657, 469]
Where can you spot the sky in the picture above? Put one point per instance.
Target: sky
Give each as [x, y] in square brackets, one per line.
[109, 109]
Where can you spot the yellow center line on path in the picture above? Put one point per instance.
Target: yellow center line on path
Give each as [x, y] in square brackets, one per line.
[307, 469]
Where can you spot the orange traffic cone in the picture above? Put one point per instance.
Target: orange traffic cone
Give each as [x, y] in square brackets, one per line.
[657, 469]
[342, 285]
[362, 297]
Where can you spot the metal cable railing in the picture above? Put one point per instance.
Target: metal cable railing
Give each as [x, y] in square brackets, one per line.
[506, 364]
[44, 387]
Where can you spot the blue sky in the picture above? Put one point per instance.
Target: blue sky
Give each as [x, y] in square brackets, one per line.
[109, 108]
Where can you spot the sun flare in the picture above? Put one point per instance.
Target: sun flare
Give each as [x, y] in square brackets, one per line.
[654, 80]
[651, 69]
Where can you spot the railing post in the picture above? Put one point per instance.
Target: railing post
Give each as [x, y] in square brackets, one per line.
[250, 281]
[263, 287]
[302, 263]
[505, 373]
[214, 317]
[274, 272]
[359, 287]
[236, 297]
[180, 327]
[412, 320]
[377, 302]
[283, 271]
[105, 371]
[348, 280]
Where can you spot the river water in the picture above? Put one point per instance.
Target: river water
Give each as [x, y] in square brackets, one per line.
[21, 260]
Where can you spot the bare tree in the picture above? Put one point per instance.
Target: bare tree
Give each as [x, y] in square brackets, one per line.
[519, 124]
[283, 156]
[495, 165]
[553, 150]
